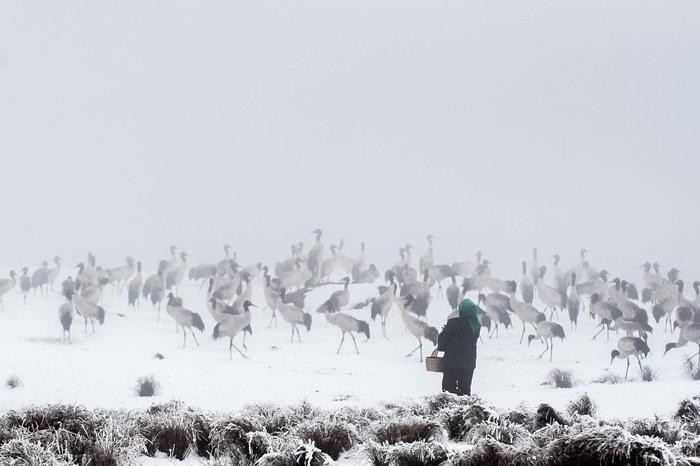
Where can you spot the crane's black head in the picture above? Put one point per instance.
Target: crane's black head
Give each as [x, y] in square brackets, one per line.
[530, 338]
[646, 266]
[247, 305]
[573, 278]
[212, 300]
[25, 270]
[524, 266]
[603, 274]
[283, 292]
[696, 286]
[481, 297]
[408, 299]
[171, 297]
[614, 354]
[669, 347]
[138, 266]
[680, 285]
[595, 297]
[543, 270]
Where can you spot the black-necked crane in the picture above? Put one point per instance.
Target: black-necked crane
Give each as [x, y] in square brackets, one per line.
[68, 286]
[527, 289]
[54, 272]
[6, 284]
[40, 278]
[294, 316]
[367, 276]
[673, 275]
[650, 282]
[65, 317]
[272, 295]
[316, 256]
[184, 318]
[177, 273]
[453, 293]
[135, 285]
[202, 273]
[688, 334]
[427, 261]
[154, 287]
[527, 313]
[638, 324]
[382, 305]
[25, 283]
[346, 323]
[629, 290]
[328, 264]
[89, 311]
[560, 280]
[343, 262]
[535, 268]
[550, 296]
[167, 264]
[297, 277]
[415, 326]
[225, 286]
[245, 295]
[232, 325]
[420, 291]
[338, 299]
[223, 264]
[573, 302]
[360, 263]
[438, 273]
[289, 263]
[119, 276]
[605, 311]
[547, 331]
[496, 311]
[630, 346]
[251, 271]
[467, 268]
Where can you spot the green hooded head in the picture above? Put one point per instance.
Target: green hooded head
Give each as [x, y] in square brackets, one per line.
[468, 312]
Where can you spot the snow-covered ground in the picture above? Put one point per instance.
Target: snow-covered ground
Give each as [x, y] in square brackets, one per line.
[101, 369]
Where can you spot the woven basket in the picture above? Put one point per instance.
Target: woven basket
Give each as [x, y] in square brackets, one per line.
[433, 363]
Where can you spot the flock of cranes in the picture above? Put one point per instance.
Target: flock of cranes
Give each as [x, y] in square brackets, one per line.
[541, 298]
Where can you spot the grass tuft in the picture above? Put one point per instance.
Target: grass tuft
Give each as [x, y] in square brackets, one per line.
[560, 378]
[583, 406]
[406, 429]
[147, 386]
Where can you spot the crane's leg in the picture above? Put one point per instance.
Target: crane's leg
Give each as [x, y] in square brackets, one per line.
[522, 334]
[292, 340]
[628, 367]
[195, 338]
[298, 336]
[244, 345]
[92, 322]
[355, 343]
[230, 349]
[602, 327]
[184, 335]
[384, 327]
[545, 349]
[85, 324]
[698, 354]
[551, 350]
[341, 343]
[641, 371]
[2, 305]
[493, 330]
[414, 349]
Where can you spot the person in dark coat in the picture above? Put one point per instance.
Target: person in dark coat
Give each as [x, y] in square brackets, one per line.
[458, 341]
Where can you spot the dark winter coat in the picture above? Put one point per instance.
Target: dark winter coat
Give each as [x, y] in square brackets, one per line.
[458, 341]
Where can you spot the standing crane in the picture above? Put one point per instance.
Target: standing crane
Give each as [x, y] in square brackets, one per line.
[54, 272]
[232, 325]
[25, 283]
[547, 331]
[135, 285]
[417, 327]
[65, 317]
[89, 311]
[630, 346]
[346, 323]
[293, 315]
[6, 284]
[184, 318]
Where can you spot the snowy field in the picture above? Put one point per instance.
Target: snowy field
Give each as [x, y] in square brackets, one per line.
[101, 369]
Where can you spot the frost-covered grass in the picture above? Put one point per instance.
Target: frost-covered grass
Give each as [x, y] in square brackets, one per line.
[396, 435]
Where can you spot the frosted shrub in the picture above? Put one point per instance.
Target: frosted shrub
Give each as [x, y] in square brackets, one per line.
[560, 378]
[406, 429]
[147, 386]
[459, 420]
[330, 436]
[583, 406]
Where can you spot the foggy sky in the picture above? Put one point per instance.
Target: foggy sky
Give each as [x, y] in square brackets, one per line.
[127, 126]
